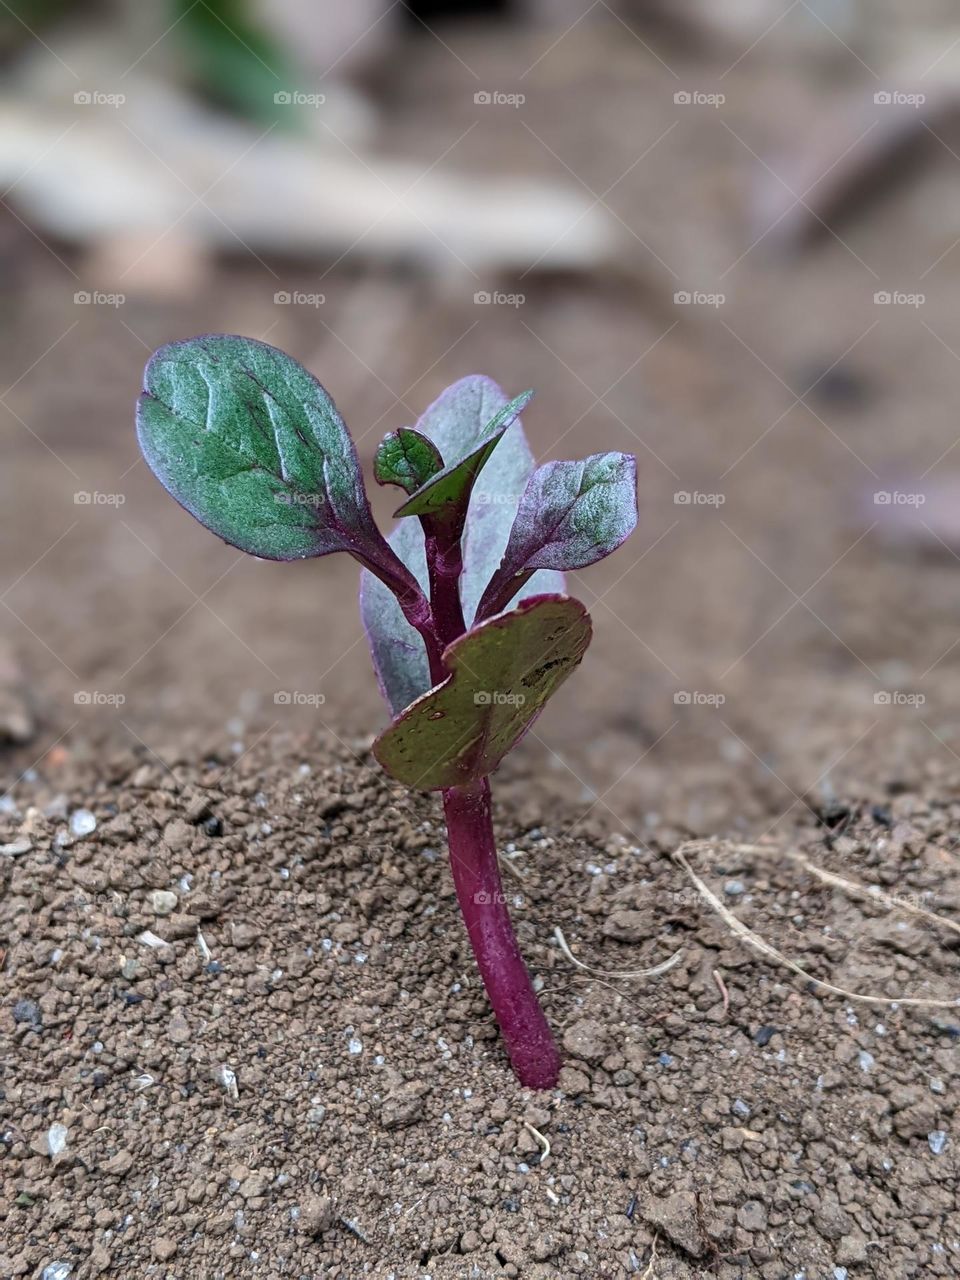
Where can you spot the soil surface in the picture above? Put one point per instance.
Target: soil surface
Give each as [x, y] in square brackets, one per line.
[317, 1088]
[247, 1038]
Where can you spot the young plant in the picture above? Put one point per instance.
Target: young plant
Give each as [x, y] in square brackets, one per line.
[250, 443]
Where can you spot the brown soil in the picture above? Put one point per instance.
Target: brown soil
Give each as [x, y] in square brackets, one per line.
[719, 1120]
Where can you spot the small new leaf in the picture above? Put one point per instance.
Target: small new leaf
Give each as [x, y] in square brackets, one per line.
[246, 439]
[447, 493]
[501, 675]
[571, 514]
[407, 459]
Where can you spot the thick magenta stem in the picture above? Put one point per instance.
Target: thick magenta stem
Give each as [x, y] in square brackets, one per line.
[445, 566]
[473, 860]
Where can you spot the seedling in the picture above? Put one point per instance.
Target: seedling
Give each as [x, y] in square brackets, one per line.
[250, 443]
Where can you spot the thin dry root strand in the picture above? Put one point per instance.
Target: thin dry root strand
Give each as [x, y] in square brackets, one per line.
[863, 891]
[754, 940]
[615, 973]
[722, 986]
[541, 1139]
[650, 1274]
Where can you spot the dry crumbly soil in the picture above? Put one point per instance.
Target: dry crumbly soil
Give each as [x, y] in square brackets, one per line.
[311, 947]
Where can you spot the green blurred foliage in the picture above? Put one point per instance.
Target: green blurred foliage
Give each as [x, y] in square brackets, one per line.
[231, 59]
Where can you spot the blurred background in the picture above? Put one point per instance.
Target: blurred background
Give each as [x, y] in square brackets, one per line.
[723, 237]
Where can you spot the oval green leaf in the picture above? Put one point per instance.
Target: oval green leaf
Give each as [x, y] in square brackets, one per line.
[249, 442]
[447, 493]
[407, 459]
[502, 673]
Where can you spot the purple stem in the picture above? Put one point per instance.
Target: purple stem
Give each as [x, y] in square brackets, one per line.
[476, 875]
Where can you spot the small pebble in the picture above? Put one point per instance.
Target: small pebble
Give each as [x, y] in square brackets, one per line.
[56, 1271]
[57, 1138]
[865, 1059]
[82, 823]
[741, 1108]
[162, 902]
[734, 888]
[937, 1140]
[16, 848]
[764, 1035]
[28, 1011]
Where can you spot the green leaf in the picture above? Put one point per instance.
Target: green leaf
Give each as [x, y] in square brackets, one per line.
[455, 422]
[251, 444]
[448, 492]
[571, 515]
[407, 459]
[501, 675]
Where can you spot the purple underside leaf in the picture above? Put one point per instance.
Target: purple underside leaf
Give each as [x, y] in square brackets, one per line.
[250, 443]
[455, 422]
[502, 673]
[571, 514]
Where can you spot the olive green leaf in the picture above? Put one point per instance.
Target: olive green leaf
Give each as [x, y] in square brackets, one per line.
[501, 675]
[249, 442]
[407, 459]
[448, 492]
